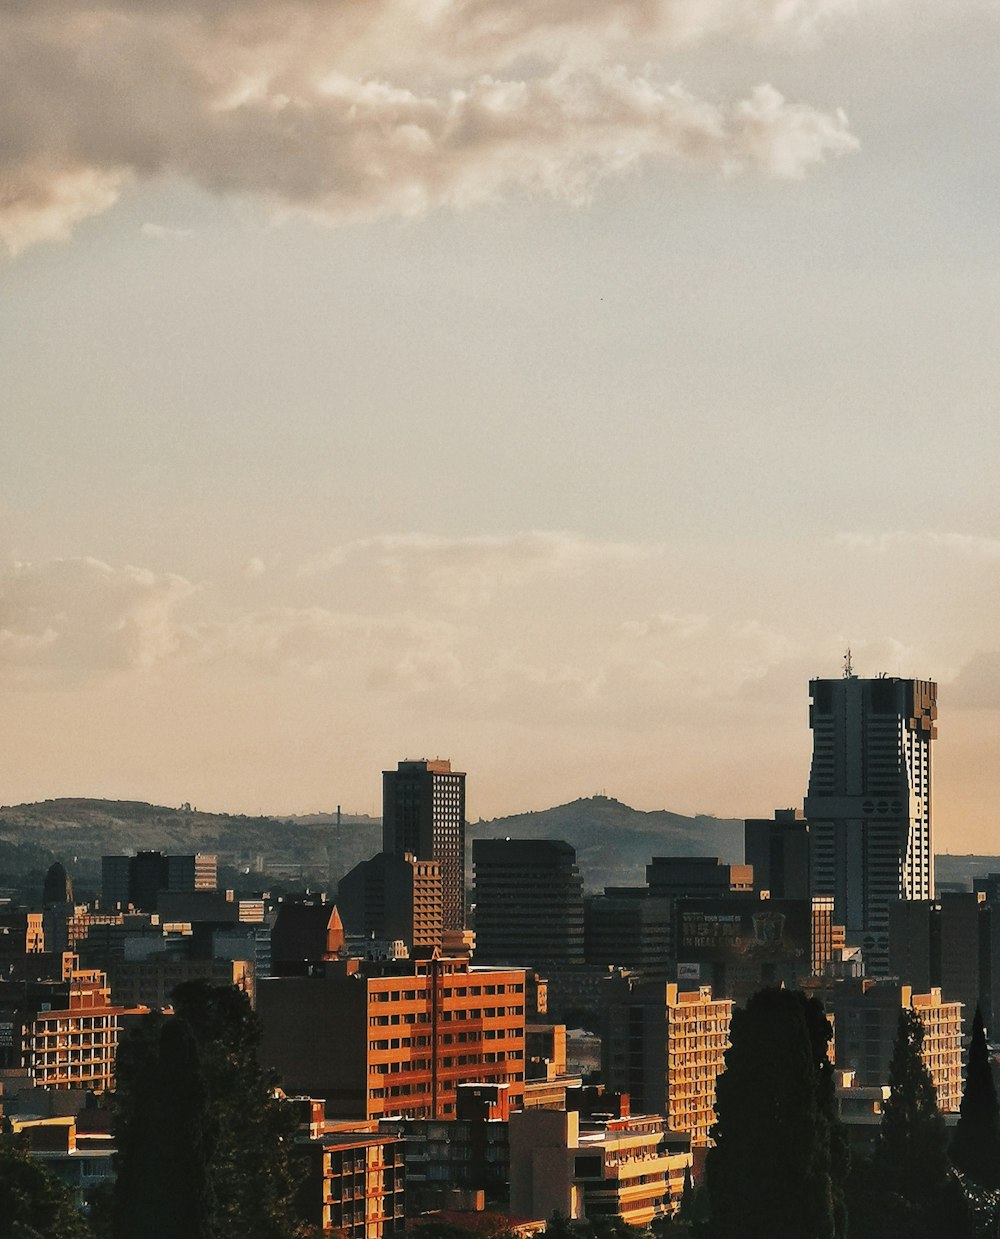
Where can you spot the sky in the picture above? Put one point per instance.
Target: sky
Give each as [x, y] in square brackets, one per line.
[554, 387]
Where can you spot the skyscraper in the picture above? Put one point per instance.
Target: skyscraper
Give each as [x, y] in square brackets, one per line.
[869, 802]
[423, 812]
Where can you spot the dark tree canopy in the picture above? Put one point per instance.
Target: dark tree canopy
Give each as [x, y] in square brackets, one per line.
[779, 1161]
[191, 1096]
[33, 1203]
[975, 1146]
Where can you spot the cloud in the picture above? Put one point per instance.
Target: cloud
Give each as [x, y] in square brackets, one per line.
[161, 232]
[966, 546]
[472, 571]
[348, 111]
[254, 568]
[81, 616]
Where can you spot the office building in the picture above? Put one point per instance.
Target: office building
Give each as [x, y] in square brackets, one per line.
[529, 902]
[628, 927]
[379, 1037]
[869, 802]
[391, 898]
[665, 1048]
[777, 849]
[138, 880]
[423, 813]
[673, 878]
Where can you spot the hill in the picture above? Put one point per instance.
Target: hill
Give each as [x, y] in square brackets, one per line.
[79, 831]
[614, 842]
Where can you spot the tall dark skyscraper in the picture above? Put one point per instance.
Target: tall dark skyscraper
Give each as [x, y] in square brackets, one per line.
[423, 812]
[869, 802]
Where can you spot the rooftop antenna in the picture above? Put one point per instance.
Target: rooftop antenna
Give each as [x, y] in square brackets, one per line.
[848, 665]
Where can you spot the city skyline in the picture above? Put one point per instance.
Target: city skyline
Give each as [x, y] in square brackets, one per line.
[556, 389]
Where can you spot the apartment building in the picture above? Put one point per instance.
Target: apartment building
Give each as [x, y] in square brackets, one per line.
[355, 1185]
[665, 1049]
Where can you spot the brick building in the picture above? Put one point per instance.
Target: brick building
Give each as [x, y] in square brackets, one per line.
[379, 1037]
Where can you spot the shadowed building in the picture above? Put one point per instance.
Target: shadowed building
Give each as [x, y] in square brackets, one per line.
[393, 897]
[777, 849]
[529, 902]
[423, 813]
[304, 934]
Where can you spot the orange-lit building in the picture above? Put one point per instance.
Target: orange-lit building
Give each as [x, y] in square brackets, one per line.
[386, 1037]
[355, 1184]
[665, 1049]
[76, 1047]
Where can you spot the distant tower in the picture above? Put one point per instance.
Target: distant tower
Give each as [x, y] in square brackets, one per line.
[58, 887]
[869, 801]
[423, 812]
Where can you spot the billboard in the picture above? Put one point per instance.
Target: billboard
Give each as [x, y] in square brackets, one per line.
[773, 931]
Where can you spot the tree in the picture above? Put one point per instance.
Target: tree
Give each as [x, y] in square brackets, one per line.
[190, 1090]
[975, 1146]
[33, 1203]
[162, 1190]
[777, 1167]
[916, 1192]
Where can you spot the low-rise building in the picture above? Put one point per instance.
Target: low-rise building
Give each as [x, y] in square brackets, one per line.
[632, 1168]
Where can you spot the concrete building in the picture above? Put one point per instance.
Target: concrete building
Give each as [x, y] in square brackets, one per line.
[377, 1038]
[865, 1016]
[628, 927]
[529, 902]
[665, 1049]
[630, 1168]
[777, 849]
[423, 813]
[305, 933]
[75, 1047]
[393, 897]
[739, 945]
[138, 880]
[151, 982]
[355, 1185]
[469, 1153]
[869, 802]
[944, 943]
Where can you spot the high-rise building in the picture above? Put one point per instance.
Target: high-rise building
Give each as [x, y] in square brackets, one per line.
[869, 802]
[529, 902]
[393, 897]
[423, 812]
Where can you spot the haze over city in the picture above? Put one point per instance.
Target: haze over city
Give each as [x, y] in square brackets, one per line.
[555, 388]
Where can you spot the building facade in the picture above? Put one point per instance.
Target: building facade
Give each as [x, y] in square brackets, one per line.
[383, 1037]
[423, 813]
[869, 802]
[392, 897]
[665, 1048]
[529, 902]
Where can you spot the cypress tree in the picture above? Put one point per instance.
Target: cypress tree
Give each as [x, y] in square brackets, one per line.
[777, 1165]
[975, 1146]
[918, 1194]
